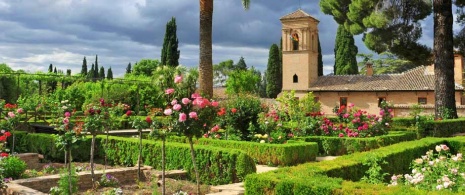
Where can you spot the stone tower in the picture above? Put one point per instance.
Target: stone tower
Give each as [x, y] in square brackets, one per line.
[300, 51]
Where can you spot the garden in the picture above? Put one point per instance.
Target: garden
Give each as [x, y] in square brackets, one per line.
[214, 141]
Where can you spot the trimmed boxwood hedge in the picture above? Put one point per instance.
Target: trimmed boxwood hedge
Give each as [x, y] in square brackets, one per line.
[348, 167]
[288, 154]
[216, 165]
[346, 145]
[442, 128]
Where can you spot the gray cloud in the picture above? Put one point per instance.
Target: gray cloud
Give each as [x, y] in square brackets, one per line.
[37, 33]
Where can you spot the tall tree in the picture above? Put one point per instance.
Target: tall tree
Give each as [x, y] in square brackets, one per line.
[129, 68]
[320, 59]
[101, 73]
[90, 74]
[241, 65]
[205, 47]
[84, 67]
[170, 52]
[221, 72]
[96, 69]
[273, 73]
[68, 74]
[345, 53]
[109, 74]
[444, 89]
[145, 67]
[50, 82]
[345, 58]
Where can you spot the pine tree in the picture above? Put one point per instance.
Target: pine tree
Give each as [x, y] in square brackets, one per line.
[84, 67]
[109, 74]
[96, 69]
[170, 52]
[320, 59]
[241, 64]
[129, 68]
[101, 73]
[345, 53]
[273, 73]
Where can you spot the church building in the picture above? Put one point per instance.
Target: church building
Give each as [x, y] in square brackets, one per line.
[365, 91]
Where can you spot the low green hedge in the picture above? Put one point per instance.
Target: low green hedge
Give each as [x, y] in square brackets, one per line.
[271, 154]
[442, 128]
[403, 122]
[216, 165]
[346, 145]
[348, 167]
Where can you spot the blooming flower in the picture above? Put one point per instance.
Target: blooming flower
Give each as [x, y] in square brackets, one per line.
[177, 107]
[193, 115]
[168, 112]
[128, 113]
[174, 101]
[20, 111]
[67, 114]
[214, 104]
[178, 79]
[7, 134]
[195, 95]
[169, 91]
[148, 120]
[11, 114]
[3, 154]
[185, 101]
[182, 117]
[233, 110]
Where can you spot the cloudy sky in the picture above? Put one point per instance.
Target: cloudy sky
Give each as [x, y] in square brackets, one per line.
[36, 33]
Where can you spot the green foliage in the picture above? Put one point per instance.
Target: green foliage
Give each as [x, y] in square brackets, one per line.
[442, 128]
[169, 52]
[345, 53]
[221, 72]
[242, 81]
[374, 174]
[320, 59]
[8, 85]
[386, 63]
[13, 167]
[107, 180]
[247, 108]
[63, 184]
[101, 73]
[84, 67]
[128, 69]
[241, 65]
[109, 74]
[274, 73]
[145, 67]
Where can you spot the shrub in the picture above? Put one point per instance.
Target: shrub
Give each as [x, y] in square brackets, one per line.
[63, 184]
[108, 180]
[13, 167]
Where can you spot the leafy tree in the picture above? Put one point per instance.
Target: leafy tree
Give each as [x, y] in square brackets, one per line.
[221, 71]
[242, 81]
[385, 64]
[84, 67]
[274, 73]
[101, 73]
[145, 67]
[170, 52]
[7, 84]
[129, 68]
[109, 74]
[320, 59]
[241, 64]
[345, 53]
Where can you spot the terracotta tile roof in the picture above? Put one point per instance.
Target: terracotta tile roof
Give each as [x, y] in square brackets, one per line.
[417, 79]
[297, 14]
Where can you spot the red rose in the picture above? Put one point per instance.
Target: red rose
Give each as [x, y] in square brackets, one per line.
[128, 113]
[4, 154]
[233, 110]
[2, 138]
[148, 120]
[8, 134]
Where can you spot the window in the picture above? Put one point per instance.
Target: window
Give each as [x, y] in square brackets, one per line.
[380, 100]
[295, 78]
[295, 41]
[343, 101]
[422, 100]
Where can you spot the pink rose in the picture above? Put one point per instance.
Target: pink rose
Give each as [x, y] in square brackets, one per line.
[215, 128]
[11, 114]
[195, 95]
[341, 135]
[182, 117]
[185, 101]
[67, 114]
[169, 91]
[20, 111]
[175, 101]
[168, 112]
[205, 135]
[177, 107]
[178, 79]
[215, 104]
[66, 120]
[193, 115]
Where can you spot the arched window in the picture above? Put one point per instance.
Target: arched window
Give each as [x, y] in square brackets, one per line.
[295, 41]
[295, 78]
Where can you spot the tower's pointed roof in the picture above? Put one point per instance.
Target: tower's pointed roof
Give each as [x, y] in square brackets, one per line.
[299, 13]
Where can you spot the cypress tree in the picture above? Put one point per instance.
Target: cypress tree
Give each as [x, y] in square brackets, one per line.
[129, 68]
[96, 69]
[241, 64]
[170, 52]
[320, 59]
[109, 74]
[90, 74]
[84, 67]
[346, 53]
[101, 73]
[49, 83]
[273, 73]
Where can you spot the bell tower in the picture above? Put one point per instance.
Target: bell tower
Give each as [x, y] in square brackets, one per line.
[299, 50]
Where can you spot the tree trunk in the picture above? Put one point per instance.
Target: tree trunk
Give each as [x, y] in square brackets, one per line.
[92, 148]
[163, 191]
[444, 60]
[139, 160]
[197, 177]
[205, 43]
[13, 144]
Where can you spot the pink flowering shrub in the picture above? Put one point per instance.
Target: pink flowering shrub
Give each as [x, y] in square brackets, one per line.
[354, 122]
[435, 171]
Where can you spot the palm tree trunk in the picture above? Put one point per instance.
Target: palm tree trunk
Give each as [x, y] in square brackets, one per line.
[92, 148]
[197, 177]
[205, 48]
[444, 60]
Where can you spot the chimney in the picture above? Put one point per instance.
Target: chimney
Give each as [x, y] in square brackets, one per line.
[369, 67]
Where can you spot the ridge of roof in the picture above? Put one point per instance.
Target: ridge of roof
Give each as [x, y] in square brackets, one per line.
[299, 13]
